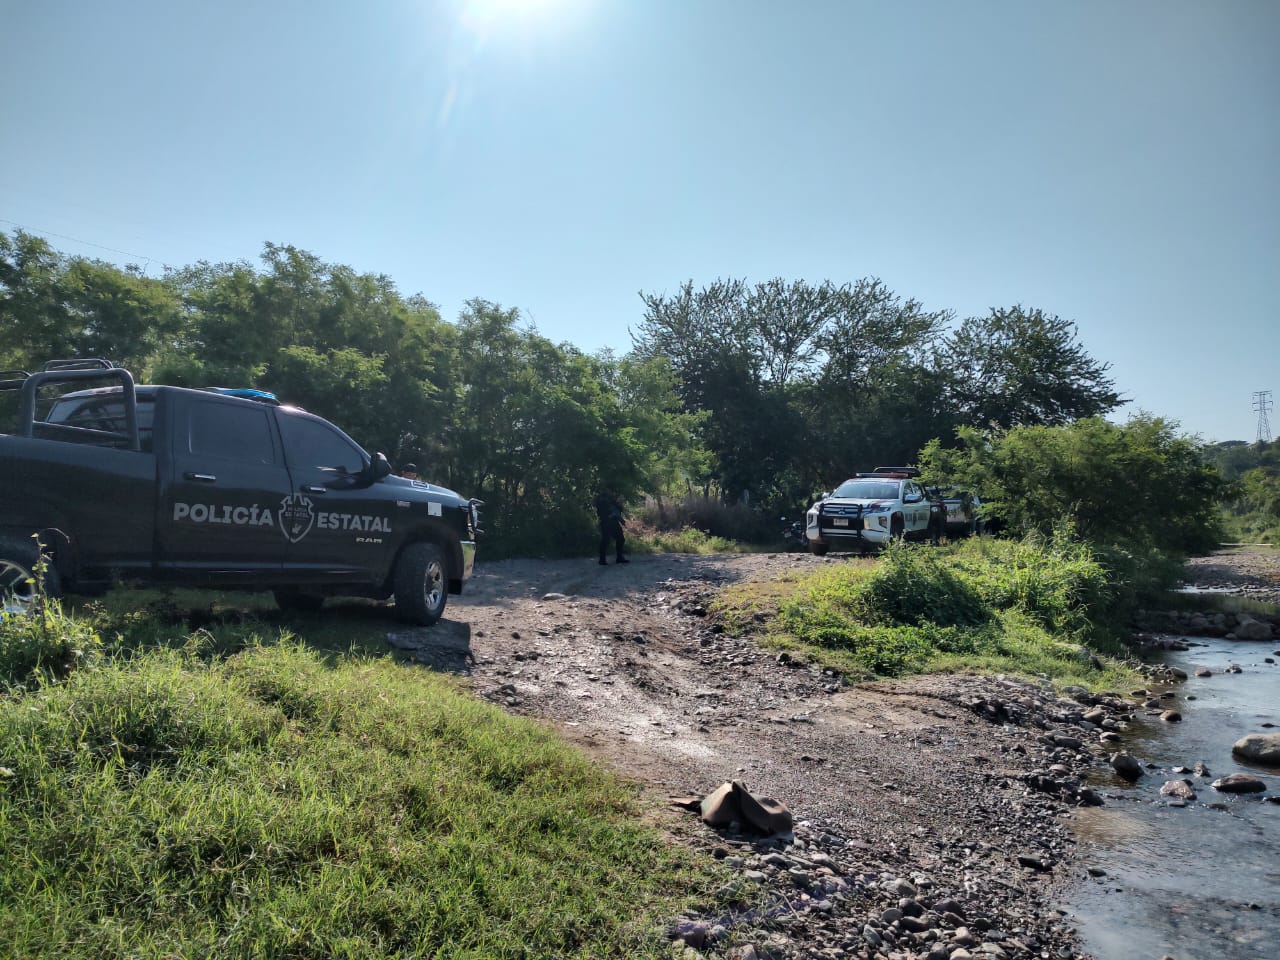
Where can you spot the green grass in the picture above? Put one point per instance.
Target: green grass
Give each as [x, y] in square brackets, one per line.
[686, 540]
[1034, 608]
[42, 647]
[286, 802]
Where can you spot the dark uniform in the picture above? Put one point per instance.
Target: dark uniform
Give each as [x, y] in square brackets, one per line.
[609, 512]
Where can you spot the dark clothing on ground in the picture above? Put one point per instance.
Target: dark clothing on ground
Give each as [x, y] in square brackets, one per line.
[609, 512]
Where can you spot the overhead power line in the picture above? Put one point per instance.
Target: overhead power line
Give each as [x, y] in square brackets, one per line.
[88, 243]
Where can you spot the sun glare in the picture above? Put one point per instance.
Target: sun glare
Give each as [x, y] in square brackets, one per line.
[494, 14]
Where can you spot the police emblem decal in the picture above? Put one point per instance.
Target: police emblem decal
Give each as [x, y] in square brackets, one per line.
[296, 517]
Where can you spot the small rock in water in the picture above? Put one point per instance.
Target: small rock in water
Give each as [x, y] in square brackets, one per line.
[1126, 766]
[1182, 789]
[1171, 716]
[1239, 783]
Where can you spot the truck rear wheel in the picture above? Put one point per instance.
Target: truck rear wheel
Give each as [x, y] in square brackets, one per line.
[18, 591]
[421, 584]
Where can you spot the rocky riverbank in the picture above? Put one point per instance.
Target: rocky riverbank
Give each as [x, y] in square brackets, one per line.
[933, 816]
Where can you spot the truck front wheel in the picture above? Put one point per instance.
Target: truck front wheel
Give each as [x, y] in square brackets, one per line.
[421, 584]
[818, 549]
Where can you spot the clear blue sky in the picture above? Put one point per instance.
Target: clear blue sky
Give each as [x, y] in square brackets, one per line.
[1115, 163]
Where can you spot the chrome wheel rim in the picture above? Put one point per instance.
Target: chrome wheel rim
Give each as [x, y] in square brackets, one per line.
[17, 589]
[433, 585]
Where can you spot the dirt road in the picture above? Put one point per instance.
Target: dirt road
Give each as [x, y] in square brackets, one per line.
[909, 796]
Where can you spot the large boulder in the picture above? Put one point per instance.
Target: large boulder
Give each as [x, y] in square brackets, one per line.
[1251, 629]
[1261, 748]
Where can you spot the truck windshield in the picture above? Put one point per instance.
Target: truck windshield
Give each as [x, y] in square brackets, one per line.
[869, 490]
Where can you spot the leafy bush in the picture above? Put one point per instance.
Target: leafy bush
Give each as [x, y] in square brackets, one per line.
[1140, 486]
[45, 645]
[728, 521]
[1057, 582]
[1032, 606]
[643, 539]
[913, 586]
[1253, 516]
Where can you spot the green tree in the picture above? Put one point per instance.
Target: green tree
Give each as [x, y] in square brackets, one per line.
[345, 345]
[1141, 485]
[664, 439]
[536, 432]
[796, 380]
[54, 307]
[1019, 367]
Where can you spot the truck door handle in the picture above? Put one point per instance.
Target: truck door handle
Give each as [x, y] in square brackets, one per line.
[312, 488]
[202, 477]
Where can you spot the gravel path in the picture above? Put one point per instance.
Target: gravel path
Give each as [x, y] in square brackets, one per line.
[1250, 571]
[932, 814]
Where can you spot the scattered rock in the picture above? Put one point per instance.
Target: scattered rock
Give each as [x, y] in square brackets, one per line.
[1171, 716]
[1181, 789]
[1261, 748]
[1204, 672]
[1126, 766]
[1239, 783]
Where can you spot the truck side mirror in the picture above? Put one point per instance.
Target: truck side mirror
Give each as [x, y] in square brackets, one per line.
[379, 467]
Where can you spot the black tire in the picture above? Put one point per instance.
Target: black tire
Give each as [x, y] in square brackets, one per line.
[18, 591]
[421, 584]
[297, 601]
[818, 549]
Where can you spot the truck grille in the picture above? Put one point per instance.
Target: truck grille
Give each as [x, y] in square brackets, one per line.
[850, 515]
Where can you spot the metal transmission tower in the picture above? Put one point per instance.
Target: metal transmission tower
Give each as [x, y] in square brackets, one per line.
[1262, 403]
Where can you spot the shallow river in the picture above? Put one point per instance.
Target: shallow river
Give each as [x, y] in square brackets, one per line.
[1201, 882]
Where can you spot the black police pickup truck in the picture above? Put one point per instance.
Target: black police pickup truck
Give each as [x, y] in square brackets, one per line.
[213, 488]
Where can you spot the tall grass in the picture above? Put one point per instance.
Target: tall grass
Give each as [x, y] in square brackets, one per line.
[43, 646]
[277, 804]
[726, 521]
[1036, 607]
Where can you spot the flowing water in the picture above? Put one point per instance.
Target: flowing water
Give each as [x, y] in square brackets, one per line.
[1200, 882]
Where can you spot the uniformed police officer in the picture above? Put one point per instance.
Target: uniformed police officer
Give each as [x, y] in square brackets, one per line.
[609, 512]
